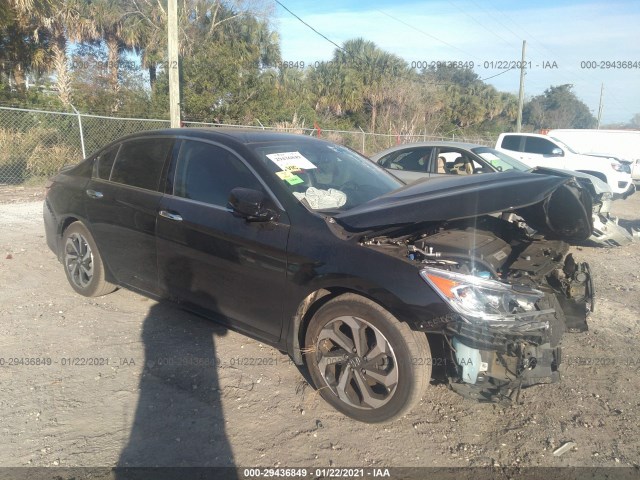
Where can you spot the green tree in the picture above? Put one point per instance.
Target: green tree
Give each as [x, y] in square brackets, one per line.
[369, 71]
[58, 22]
[635, 121]
[90, 84]
[120, 29]
[226, 76]
[557, 107]
[24, 42]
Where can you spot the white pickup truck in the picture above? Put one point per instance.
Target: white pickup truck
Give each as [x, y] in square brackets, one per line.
[542, 151]
[621, 144]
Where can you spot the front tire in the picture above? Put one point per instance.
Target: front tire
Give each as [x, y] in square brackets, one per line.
[82, 262]
[364, 361]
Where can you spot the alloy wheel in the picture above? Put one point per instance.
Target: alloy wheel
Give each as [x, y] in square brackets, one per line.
[357, 362]
[78, 260]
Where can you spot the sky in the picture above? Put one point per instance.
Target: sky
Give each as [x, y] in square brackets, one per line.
[565, 40]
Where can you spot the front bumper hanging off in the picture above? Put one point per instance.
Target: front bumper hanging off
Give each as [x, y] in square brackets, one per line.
[494, 362]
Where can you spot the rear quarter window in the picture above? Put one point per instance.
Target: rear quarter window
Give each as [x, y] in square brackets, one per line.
[104, 163]
[511, 142]
[140, 163]
[411, 160]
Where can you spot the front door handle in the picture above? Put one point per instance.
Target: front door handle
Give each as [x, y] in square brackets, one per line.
[94, 194]
[171, 216]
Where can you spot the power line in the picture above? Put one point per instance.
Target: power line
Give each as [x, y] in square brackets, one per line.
[498, 74]
[529, 36]
[539, 47]
[445, 43]
[479, 23]
[404, 23]
[427, 34]
[305, 23]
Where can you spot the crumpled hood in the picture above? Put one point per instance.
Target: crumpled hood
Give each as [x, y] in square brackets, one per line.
[556, 206]
[599, 187]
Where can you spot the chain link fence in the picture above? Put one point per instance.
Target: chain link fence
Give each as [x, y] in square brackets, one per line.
[37, 143]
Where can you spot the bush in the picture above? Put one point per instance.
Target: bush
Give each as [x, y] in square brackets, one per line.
[12, 163]
[46, 161]
[36, 152]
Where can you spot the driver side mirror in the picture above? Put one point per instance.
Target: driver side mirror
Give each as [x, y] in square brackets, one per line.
[249, 204]
[557, 152]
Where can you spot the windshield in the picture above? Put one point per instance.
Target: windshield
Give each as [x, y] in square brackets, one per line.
[564, 145]
[500, 161]
[324, 176]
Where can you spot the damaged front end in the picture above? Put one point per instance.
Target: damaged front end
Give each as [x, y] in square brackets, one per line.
[511, 295]
[511, 288]
[507, 338]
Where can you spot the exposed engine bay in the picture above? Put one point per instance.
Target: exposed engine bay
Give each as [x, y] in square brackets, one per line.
[507, 322]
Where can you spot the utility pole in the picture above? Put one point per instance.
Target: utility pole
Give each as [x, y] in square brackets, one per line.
[601, 104]
[521, 94]
[174, 72]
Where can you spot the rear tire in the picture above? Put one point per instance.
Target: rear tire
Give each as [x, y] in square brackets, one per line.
[82, 262]
[365, 362]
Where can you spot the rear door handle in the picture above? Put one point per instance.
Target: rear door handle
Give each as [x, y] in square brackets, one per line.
[94, 194]
[171, 216]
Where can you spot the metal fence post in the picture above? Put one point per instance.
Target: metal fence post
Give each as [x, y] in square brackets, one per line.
[84, 155]
[364, 137]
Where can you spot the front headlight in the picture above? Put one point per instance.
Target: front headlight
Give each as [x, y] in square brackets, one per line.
[617, 166]
[480, 299]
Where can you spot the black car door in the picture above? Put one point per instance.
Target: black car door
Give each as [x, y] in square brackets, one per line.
[208, 258]
[122, 207]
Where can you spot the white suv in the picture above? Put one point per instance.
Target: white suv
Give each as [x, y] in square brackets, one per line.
[542, 151]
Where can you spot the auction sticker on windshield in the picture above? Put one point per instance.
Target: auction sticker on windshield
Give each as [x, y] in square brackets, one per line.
[289, 177]
[290, 161]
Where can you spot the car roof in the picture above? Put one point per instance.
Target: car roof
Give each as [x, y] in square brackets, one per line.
[233, 135]
[242, 135]
[443, 143]
[523, 134]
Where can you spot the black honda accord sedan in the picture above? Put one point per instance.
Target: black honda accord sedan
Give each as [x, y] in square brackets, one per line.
[314, 249]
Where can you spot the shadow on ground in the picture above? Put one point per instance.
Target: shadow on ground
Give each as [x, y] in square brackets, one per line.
[179, 419]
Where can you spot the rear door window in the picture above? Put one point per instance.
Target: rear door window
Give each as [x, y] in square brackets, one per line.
[207, 173]
[140, 162]
[511, 142]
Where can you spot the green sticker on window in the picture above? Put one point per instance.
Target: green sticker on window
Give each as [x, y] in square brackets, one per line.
[293, 180]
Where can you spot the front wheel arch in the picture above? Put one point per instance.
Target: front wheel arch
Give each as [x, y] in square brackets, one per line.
[382, 374]
[310, 304]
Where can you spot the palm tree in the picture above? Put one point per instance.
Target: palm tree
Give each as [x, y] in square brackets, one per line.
[145, 30]
[327, 86]
[24, 44]
[371, 71]
[108, 16]
[59, 21]
[68, 21]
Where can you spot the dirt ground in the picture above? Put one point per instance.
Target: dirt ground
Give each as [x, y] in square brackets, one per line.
[124, 380]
